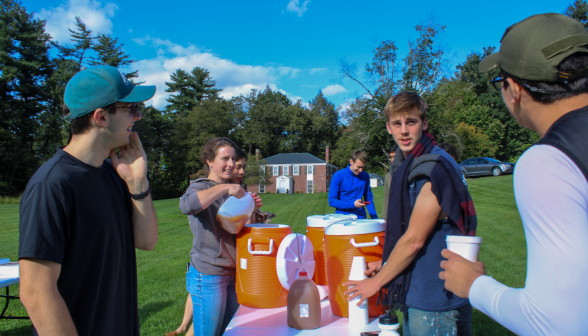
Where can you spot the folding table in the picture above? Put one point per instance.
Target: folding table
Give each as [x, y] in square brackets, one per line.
[9, 275]
[273, 322]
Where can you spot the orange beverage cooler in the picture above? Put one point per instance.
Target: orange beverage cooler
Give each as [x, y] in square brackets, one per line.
[257, 284]
[315, 231]
[343, 241]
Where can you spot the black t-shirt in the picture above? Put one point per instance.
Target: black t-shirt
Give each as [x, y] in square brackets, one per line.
[79, 216]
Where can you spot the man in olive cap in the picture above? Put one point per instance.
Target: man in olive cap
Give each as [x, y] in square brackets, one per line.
[543, 62]
[82, 216]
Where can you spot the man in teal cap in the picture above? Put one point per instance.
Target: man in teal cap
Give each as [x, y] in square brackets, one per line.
[82, 215]
[543, 62]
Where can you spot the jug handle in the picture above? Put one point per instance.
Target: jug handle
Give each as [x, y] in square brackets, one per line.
[271, 248]
[374, 243]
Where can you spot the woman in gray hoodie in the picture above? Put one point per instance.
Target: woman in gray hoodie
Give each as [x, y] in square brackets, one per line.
[211, 275]
[236, 178]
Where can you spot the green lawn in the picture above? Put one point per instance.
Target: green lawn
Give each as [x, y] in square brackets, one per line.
[161, 272]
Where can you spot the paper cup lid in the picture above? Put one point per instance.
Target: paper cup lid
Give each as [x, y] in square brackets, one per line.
[295, 255]
[463, 239]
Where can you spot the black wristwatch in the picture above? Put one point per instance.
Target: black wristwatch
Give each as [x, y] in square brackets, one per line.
[143, 194]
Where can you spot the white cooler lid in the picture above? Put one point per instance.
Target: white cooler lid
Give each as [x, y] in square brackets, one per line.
[295, 255]
[324, 220]
[359, 226]
[266, 226]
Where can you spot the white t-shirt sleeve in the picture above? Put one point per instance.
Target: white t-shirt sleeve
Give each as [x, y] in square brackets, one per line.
[552, 198]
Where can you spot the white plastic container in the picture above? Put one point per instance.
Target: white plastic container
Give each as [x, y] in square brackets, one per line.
[466, 246]
[388, 324]
[235, 212]
[358, 315]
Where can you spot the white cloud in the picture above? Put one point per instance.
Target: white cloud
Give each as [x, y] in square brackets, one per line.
[344, 106]
[95, 15]
[294, 7]
[332, 90]
[233, 78]
[318, 71]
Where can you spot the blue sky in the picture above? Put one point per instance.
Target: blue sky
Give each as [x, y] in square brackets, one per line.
[291, 45]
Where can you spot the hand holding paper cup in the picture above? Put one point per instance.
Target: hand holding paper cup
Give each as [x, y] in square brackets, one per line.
[466, 246]
[358, 315]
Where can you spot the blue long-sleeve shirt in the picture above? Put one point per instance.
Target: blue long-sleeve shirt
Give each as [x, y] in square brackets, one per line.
[346, 188]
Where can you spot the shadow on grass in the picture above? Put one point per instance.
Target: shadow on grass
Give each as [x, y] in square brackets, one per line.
[18, 330]
[484, 325]
[152, 308]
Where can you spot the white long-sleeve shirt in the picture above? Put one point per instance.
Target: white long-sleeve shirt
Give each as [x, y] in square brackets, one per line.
[552, 198]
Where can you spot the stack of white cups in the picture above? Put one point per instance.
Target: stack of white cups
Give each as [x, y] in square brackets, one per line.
[358, 316]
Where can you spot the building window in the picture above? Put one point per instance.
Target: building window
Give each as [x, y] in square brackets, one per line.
[296, 171]
[261, 189]
[309, 171]
[275, 170]
[285, 168]
[309, 186]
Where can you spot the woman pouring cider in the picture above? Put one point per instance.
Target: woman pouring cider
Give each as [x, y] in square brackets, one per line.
[211, 275]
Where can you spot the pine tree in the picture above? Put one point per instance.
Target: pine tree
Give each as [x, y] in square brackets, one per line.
[190, 89]
[578, 10]
[109, 52]
[24, 67]
[83, 41]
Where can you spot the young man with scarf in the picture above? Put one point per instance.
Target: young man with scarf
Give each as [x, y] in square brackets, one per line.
[428, 201]
[543, 62]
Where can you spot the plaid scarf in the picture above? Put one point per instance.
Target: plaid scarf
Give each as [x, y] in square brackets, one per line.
[453, 197]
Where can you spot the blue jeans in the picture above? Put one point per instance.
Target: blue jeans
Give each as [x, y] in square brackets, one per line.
[214, 300]
[452, 322]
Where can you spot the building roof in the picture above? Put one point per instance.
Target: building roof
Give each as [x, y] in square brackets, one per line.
[295, 158]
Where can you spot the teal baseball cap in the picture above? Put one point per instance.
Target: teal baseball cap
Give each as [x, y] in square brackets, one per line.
[100, 86]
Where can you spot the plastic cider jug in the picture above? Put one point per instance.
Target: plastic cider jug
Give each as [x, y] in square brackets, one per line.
[235, 212]
[304, 305]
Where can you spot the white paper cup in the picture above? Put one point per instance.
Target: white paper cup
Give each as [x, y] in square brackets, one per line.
[358, 267]
[466, 246]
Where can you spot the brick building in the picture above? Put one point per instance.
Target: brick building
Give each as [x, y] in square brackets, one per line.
[305, 172]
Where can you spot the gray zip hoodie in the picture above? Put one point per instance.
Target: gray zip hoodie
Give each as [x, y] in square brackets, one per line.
[213, 248]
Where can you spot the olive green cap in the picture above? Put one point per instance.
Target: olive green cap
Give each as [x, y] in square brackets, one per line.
[533, 48]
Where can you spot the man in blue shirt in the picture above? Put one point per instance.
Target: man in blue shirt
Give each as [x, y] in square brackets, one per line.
[350, 185]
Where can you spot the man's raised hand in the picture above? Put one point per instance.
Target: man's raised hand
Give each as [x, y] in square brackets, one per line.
[131, 164]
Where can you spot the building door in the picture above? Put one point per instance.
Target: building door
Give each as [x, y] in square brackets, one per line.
[283, 186]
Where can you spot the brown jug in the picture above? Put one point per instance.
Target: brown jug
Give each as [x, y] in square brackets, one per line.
[304, 304]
